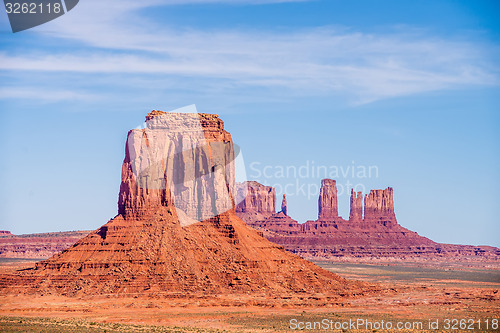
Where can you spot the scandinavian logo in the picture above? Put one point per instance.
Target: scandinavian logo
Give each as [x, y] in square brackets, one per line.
[26, 14]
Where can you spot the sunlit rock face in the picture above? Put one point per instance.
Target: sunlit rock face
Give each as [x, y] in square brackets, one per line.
[178, 159]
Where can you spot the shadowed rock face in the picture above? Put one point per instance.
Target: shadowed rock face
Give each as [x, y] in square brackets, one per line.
[172, 176]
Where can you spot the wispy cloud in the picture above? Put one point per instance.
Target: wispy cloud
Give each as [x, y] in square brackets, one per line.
[44, 95]
[325, 60]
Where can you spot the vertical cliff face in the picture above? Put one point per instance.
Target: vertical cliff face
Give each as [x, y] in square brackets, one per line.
[283, 204]
[180, 160]
[253, 197]
[356, 214]
[327, 202]
[379, 205]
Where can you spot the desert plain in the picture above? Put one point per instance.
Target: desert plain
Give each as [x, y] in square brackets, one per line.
[182, 256]
[422, 292]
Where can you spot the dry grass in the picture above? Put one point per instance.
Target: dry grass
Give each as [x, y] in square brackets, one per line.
[436, 293]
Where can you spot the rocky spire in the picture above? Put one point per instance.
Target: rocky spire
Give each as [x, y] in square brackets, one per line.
[327, 203]
[379, 205]
[283, 204]
[356, 213]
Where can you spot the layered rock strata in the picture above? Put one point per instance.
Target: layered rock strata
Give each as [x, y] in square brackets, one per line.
[38, 246]
[377, 234]
[155, 246]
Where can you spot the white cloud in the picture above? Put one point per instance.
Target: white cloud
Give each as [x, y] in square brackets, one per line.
[44, 95]
[324, 60]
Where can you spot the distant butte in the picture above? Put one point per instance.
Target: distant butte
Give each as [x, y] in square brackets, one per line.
[375, 236]
[37, 246]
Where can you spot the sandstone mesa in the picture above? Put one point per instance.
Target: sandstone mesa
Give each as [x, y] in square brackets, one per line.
[179, 170]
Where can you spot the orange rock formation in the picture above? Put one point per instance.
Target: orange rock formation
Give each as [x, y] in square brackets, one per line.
[177, 171]
[376, 235]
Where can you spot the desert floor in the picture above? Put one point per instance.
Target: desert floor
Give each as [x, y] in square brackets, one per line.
[456, 297]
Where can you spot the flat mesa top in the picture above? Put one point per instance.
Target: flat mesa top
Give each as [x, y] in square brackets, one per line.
[204, 116]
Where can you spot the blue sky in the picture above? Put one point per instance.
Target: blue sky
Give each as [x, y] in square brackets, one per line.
[409, 89]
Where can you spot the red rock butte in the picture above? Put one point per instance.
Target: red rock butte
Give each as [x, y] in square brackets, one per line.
[147, 249]
[374, 234]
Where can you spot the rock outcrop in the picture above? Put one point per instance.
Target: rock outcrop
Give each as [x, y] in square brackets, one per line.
[283, 204]
[255, 201]
[356, 212]
[5, 233]
[253, 196]
[155, 246]
[181, 160]
[379, 206]
[327, 202]
[377, 235]
[264, 216]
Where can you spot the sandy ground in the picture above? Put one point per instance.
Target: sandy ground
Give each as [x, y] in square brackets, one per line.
[458, 300]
